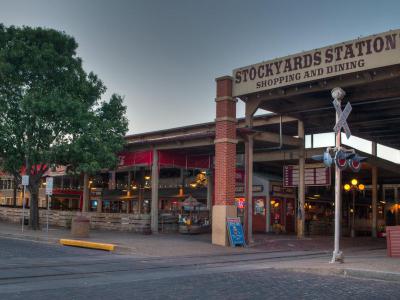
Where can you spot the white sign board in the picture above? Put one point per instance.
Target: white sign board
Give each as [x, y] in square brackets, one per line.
[362, 54]
[49, 186]
[315, 175]
[25, 180]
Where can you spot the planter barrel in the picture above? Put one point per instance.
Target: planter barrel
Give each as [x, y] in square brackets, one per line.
[393, 240]
[80, 227]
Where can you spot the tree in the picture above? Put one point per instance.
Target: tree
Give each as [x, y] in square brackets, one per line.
[50, 109]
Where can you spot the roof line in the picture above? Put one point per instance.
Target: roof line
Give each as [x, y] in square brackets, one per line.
[191, 126]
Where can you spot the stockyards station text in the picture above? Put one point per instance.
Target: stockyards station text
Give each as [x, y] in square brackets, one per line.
[321, 63]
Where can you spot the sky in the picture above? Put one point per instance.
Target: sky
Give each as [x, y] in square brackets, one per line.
[163, 55]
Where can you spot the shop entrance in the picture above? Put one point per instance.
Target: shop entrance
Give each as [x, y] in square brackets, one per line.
[290, 215]
[282, 215]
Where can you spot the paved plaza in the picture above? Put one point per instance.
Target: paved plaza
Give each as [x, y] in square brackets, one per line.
[58, 272]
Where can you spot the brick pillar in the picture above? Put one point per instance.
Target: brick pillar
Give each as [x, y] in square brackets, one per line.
[225, 160]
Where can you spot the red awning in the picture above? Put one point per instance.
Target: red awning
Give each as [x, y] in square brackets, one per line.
[166, 158]
[138, 158]
[34, 169]
[57, 171]
[171, 159]
[183, 160]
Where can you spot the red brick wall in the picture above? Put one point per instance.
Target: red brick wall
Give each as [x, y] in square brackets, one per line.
[226, 108]
[224, 86]
[225, 146]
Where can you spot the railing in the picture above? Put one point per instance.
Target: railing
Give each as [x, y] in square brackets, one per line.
[107, 221]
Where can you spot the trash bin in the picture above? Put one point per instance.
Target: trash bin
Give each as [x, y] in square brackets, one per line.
[393, 240]
[80, 227]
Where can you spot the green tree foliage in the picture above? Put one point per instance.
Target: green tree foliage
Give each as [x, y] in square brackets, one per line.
[50, 109]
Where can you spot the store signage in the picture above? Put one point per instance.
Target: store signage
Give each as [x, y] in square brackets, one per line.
[96, 192]
[239, 176]
[57, 171]
[315, 175]
[25, 180]
[240, 202]
[235, 232]
[239, 189]
[278, 189]
[362, 54]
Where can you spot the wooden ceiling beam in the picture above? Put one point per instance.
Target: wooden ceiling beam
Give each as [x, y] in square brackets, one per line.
[275, 138]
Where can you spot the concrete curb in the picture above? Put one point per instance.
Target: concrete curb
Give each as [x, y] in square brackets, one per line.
[369, 274]
[87, 244]
[348, 272]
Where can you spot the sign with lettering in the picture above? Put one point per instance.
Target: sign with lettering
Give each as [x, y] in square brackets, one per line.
[57, 171]
[235, 232]
[362, 54]
[25, 180]
[239, 189]
[279, 190]
[315, 175]
[49, 186]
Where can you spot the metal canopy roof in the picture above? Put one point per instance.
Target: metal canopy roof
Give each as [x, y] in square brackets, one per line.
[374, 95]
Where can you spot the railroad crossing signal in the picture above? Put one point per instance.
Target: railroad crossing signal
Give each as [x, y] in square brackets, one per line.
[343, 115]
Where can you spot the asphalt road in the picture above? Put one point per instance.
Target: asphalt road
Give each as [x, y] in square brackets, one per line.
[30, 270]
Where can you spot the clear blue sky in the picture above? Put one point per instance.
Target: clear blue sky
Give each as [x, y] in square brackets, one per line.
[163, 56]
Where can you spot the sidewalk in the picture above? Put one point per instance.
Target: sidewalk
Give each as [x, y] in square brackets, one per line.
[374, 264]
[364, 257]
[159, 245]
[315, 243]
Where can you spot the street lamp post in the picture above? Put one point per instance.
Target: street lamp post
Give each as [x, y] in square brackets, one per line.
[353, 187]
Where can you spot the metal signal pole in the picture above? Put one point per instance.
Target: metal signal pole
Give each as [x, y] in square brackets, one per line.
[337, 94]
[23, 209]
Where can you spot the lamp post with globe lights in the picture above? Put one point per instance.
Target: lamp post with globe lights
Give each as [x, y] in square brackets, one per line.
[354, 186]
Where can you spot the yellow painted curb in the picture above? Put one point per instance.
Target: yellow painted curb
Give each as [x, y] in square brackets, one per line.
[85, 244]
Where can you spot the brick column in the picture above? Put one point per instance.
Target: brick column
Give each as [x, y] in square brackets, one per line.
[225, 160]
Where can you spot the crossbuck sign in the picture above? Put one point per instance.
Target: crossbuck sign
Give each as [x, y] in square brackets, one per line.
[343, 115]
